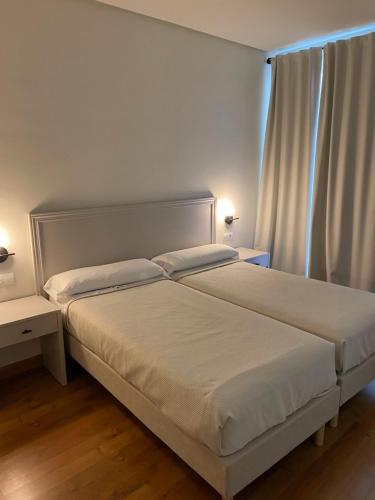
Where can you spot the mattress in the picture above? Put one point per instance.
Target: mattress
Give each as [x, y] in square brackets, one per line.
[339, 314]
[223, 374]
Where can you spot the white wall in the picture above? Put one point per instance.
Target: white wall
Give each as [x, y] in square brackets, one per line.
[101, 106]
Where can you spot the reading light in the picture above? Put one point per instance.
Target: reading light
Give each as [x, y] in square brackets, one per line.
[4, 241]
[229, 219]
[226, 211]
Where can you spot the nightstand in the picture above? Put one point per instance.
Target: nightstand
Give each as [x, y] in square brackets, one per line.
[257, 257]
[31, 318]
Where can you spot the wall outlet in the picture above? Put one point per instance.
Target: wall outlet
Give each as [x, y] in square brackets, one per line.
[7, 279]
[228, 236]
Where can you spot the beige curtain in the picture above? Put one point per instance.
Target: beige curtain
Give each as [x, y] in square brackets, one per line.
[343, 217]
[282, 218]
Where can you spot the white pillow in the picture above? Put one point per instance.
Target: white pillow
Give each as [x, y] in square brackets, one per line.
[194, 257]
[87, 279]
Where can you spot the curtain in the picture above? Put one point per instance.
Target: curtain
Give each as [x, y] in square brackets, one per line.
[282, 217]
[343, 213]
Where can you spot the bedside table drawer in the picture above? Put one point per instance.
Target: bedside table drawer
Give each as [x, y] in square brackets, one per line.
[26, 330]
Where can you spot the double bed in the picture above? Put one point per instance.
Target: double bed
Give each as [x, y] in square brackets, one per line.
[231, 391]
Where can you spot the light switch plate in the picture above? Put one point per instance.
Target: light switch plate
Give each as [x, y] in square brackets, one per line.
[7, 279]
[228, 236]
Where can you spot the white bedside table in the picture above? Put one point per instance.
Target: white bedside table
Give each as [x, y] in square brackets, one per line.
[35, 317]
[257, 257]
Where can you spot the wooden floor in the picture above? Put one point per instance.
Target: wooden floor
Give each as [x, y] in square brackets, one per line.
[78, 442]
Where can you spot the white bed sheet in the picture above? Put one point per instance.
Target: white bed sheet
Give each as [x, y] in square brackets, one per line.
[223, 374]
[339, 314]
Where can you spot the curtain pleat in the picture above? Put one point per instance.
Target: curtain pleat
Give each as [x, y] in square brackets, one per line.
[343, 214]
[282, 215]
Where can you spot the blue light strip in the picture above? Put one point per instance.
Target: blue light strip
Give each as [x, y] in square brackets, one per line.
[312, 172]
[267, 80]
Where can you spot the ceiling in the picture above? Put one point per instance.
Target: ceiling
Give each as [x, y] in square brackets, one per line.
[264, 24]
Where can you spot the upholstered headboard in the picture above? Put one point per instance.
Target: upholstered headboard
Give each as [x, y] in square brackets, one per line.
[87, 237]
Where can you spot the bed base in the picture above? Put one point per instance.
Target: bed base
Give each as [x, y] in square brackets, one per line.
[356, 379]
[227, 475]
[353, 382]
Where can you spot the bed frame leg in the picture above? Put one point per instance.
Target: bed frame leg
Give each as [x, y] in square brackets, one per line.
[319, 436]
[334, 422]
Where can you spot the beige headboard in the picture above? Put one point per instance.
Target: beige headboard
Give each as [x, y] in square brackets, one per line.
[87, 237]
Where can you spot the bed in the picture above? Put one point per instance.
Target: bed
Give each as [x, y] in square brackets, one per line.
[339, 314]
[148, 341]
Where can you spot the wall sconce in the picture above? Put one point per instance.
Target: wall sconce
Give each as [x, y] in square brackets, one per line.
[225, 211]
[4, 241]
[229, 219]
[4, 254]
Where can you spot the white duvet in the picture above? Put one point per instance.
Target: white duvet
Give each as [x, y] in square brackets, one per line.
[223, 374]
[339, 314]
